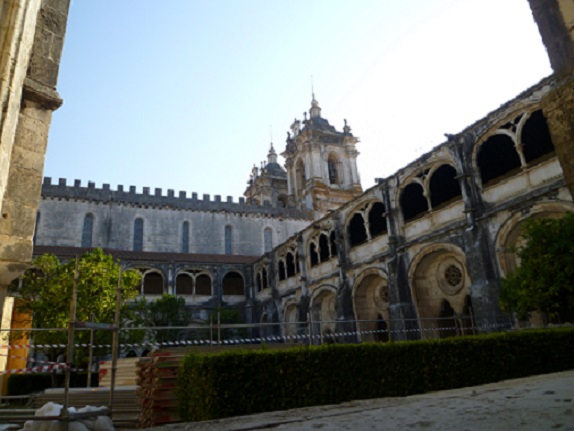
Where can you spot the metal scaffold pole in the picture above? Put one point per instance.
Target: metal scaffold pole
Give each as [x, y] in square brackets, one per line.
[115, 341]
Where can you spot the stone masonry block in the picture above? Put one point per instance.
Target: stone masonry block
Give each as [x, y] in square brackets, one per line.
[17, 219]
[24, 186]
[43, 70]
[59, 6]
[53, 21]
[26, 159]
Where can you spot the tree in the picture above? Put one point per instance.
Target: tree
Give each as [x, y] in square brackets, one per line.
[47, 288]
[163, 313]
[544, 280]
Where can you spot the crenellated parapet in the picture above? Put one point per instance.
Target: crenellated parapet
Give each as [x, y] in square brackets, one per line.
[157, 199]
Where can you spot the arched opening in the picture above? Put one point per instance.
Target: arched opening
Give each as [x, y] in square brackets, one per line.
[313, 255]
[185, 237]
[264, 281]
[282, 201]
[290, 319]
[413, 202]
[290, 265]
[268, 239]
[228, 239]
[377, 222]
[535, 139]
[371, 306]
[324, 314]
[281, 270]
[444, 187]
[87, 230]
[447, 321]
[183, 284]
[467, 317]
[233, 284]
[152, 284]
[138, 234]
[324, 247]
[357, 230]
[301, 178]
[438, 274]
[497, 159]
[333, 240]
[203, 285]
[258, 282]
[333, 169]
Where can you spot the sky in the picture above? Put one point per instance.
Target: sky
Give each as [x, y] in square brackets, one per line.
[188, 94]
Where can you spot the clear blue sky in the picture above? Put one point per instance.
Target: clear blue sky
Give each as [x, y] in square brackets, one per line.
[187, 94]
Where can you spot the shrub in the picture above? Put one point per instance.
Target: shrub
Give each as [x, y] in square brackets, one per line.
[212, 386]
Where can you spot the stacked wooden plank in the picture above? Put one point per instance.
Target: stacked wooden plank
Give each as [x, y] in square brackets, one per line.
[157, 391]
[125, 409]
[157, 380]
[125, 372]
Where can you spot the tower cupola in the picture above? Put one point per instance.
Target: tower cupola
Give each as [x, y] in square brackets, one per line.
[315, 111]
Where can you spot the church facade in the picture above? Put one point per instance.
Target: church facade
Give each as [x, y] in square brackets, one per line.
[426, 245]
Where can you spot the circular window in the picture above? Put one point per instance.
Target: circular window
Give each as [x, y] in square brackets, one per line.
[450, 275]
[453, 275]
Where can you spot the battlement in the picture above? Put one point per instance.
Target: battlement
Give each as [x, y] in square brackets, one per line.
[182, 201]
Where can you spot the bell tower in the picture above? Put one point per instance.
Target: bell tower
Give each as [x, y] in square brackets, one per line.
[321, 163]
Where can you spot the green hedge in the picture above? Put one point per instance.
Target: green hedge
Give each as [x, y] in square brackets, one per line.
[213, 386]
[24, 384]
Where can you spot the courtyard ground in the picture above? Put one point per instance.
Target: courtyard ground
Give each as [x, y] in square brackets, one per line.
[544, 402]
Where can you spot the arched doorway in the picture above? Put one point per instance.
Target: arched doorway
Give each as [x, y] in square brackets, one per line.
[371, 306]
[324, 314]
[440, 284]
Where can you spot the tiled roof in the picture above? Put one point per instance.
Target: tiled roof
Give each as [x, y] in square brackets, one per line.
[148, 256]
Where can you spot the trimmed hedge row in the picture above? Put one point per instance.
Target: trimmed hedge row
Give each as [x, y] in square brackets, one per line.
[24, 384]
[212, 386]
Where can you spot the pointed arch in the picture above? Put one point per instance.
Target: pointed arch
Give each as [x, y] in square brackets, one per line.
[497, 158]
[301, 177]
[443, 186]
[413, 201]
[333, 169]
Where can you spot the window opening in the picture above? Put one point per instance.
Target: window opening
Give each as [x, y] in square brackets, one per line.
[183, 285]
[377, 222]
[87, 230]
[228, 240]
[357, 230]
[536, 140]
[268, 239]
[413, 202]
[324, 247]
[203, 285]
[153, 284]
[185, 237]
[444, 187]
[138, 234]
[233, 284]
[497, 159]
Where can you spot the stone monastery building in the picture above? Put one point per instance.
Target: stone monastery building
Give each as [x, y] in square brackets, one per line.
[306, 242]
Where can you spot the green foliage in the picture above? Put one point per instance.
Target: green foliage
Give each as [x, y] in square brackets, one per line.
[166, 311]
[47, 290]
[544, 279]
[212, 386]
[228, 316]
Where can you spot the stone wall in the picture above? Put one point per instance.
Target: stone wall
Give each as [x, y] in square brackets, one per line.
[63, 210]
[438, 261]
[32, 32]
